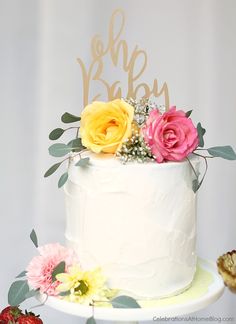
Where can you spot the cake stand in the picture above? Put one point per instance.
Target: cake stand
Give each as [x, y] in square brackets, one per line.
[205, 290]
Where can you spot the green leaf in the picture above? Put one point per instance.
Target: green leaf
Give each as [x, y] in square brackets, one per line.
[59, 150]
[69, 118]
[34, 238]
[201, 131]
[124, 302]
[195, 185]
[91, 320]
[225, 152]
[22, 274]
[74, 142]
[188, 113]
[63, 179]
[32, 293]
[17, 292]
[56, 133]
[76, 145]
[52, 169]
[83, 162]
[60, 268]
[64, 293]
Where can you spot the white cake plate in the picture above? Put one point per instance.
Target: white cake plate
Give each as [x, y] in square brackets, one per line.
[113, 315]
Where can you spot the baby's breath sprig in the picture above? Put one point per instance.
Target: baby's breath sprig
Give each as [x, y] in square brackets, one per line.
[142, 109]
[135, 149]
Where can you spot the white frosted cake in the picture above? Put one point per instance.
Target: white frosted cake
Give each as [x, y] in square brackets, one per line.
[136, 221]
[130, 191]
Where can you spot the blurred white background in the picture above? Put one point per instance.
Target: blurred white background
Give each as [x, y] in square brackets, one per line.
[190, 44]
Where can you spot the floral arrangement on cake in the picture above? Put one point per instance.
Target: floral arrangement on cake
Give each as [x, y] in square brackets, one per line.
[56, 272]
[134, 130]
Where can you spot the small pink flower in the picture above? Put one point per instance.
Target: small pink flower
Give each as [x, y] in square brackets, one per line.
[171, 136]
[39, 270]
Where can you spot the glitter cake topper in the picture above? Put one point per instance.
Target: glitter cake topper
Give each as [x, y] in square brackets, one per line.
[133, 66]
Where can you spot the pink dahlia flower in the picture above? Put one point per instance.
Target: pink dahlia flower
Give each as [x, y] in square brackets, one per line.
[171, 136]
[39, 270]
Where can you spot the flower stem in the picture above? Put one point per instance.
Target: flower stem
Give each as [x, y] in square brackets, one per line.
[204, 156]
[72, 127]
[206, 168]
[206, 165]
[77, 132]
[192, 167]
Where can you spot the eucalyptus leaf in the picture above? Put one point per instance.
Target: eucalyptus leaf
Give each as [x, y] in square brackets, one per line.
[64, 293]
[56, 133]
[32, 293]
[63, 179]
[34, 238]
[195, 185]
[188, 113]
[69, 118]
[59, 150]
[60, 268]
[91, 320]
[52, 169]
[76, 144]
[225, 152]
[83, 162]
[124, 302]
[22, 274]
[17, 292]
[201, 131]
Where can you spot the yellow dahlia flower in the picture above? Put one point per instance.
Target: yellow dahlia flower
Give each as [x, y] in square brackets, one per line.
[82, 286]
[105, 125]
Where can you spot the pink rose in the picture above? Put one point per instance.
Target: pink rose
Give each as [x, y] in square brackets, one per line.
[171, 136]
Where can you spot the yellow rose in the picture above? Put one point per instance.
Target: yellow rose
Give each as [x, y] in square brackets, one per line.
[105, 125]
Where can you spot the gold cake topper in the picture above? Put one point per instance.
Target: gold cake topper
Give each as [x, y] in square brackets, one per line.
[118, 50]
